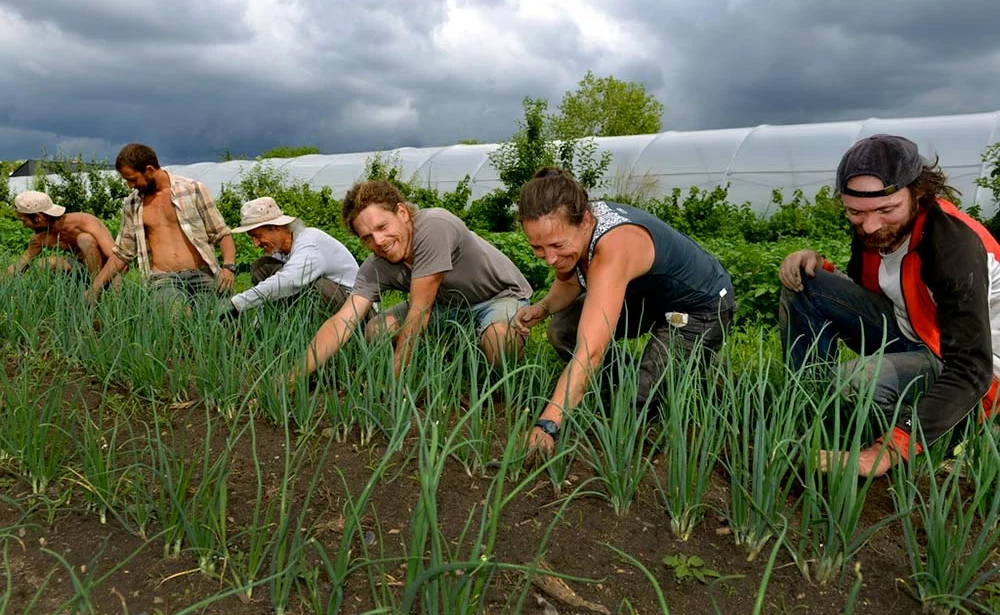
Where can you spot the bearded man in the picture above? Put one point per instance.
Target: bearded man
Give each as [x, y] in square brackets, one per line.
[171, 226]
[922, 286]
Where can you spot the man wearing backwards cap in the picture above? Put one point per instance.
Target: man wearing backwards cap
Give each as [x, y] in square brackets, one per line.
[80, 234]
[922, 273]
[296, 256]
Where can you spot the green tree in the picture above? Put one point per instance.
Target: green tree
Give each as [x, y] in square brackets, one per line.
[227, 155]
[518, 159]
[606, 107]
[284, 151]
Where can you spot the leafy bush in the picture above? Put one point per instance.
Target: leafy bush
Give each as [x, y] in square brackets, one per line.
[93, 189]
[823, 218]
[390, 168]
[708, 213]
[6, 198]
[991, 158]
[13, 236]
[284, 151]
[754, 270]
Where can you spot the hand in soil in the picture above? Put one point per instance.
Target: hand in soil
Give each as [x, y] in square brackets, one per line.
[540, 446]
[872, 461]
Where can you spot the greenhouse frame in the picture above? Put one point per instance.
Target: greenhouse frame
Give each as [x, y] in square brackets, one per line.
[753, 161]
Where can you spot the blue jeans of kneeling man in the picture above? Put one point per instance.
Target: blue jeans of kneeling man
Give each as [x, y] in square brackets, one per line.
[830, 308]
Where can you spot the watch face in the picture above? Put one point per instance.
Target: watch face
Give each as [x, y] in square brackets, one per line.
[548, 427]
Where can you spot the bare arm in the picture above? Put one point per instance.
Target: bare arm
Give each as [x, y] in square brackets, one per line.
[335, 331]
[624, 254]
[111, 268]
[601, 309]
[561, 295]
[225, 277]
[423, 291]
[228, 247]
[35, 245]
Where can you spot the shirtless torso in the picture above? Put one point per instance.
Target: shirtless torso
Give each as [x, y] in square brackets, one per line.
[82, 235]
[169, 247]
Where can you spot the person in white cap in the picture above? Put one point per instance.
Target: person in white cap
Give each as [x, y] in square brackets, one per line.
[297, 257]
[82, 235]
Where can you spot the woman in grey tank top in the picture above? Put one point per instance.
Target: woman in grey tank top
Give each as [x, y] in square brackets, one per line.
[620, 272]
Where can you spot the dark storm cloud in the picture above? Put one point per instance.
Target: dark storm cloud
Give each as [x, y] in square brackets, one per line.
[141, 21]
[790, 61]
[195, 78]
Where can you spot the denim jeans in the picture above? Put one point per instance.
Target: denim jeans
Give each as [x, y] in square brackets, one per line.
[181, 288]
[831, 307]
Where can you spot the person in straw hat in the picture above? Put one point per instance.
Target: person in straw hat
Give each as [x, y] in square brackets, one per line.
[82, 235]
[296, 258]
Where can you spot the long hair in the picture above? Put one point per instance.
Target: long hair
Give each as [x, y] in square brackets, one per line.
[931, 184]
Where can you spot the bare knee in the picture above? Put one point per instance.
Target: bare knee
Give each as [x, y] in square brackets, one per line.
[382, 324]
[500, 341]
[58, 264]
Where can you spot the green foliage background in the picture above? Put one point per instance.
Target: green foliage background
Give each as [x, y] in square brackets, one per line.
[751, 246]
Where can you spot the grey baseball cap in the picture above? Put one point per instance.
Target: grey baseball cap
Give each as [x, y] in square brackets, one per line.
[893, 159]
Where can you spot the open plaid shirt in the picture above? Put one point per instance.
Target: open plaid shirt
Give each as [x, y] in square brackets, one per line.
[199, 219]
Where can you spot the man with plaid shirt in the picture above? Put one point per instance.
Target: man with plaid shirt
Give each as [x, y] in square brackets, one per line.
[170, 225]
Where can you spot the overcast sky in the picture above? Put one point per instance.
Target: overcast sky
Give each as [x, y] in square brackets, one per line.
[194, 77]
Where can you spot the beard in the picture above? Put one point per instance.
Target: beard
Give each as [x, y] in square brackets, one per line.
[149, 188]
[888, 236]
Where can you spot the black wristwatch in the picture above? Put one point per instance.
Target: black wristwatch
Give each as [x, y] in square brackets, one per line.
[549, 427]
[229, 267]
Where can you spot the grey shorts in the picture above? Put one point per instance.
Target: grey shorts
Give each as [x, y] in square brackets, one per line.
[484, 314]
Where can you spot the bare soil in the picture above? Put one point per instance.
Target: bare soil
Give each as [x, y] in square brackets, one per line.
[64, 543]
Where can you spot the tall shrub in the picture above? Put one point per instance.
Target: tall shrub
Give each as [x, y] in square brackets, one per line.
[518, 159]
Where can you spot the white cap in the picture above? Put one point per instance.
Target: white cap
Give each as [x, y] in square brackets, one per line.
[259, 212]
[33, 202]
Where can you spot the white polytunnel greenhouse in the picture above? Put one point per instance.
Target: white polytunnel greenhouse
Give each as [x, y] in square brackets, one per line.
[752, 161]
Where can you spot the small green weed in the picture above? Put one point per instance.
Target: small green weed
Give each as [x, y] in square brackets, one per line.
[690, 568]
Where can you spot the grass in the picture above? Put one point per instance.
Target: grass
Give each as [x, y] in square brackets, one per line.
[97, 419]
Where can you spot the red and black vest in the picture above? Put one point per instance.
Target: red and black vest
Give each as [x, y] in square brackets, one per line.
[919, 304]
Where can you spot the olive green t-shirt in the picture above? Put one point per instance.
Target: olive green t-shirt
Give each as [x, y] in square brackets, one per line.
[474, 270]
